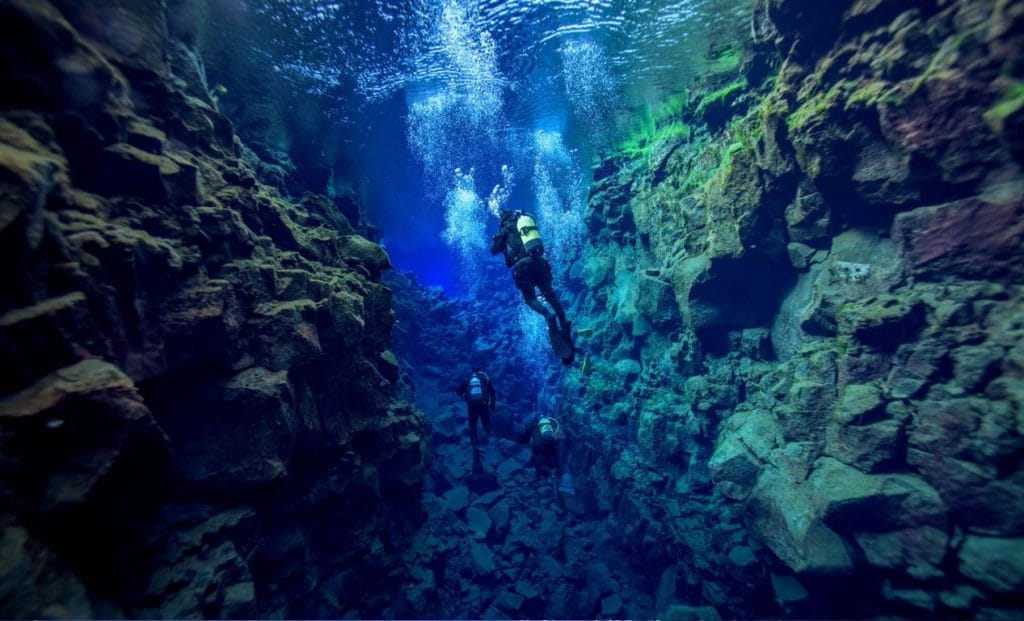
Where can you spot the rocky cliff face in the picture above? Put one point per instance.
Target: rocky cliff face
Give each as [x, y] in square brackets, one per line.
[808, 316]
[199, 412]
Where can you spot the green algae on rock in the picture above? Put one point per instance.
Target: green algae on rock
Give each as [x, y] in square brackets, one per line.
[867, 210]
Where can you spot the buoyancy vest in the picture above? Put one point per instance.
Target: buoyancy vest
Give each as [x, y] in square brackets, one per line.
[477, 391]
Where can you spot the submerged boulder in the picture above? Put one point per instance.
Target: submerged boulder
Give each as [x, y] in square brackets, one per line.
[918, 551]
[843, 495]
[995, 563]
[972, 238]
[77, 430]
[483, 559]
[56, 592]
[656, 300]
[743, 450]
[782, 514]
[361, 253]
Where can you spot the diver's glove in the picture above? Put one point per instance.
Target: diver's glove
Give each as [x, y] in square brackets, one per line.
[498, 244]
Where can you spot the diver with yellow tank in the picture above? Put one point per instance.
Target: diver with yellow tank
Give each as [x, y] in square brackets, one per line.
[519, 240]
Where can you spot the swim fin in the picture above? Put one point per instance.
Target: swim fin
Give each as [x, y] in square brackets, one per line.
[561, 343]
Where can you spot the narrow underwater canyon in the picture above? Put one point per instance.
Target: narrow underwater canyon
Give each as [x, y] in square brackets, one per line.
[798, 312]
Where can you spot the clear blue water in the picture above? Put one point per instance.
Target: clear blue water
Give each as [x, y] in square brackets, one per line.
[444, 100]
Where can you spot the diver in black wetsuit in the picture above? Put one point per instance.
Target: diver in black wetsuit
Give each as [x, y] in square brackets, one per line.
[545, 437]
[519, 240]
[480, 399]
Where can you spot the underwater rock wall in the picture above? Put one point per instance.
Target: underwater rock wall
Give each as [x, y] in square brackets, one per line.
[802, 327]
[199, 412]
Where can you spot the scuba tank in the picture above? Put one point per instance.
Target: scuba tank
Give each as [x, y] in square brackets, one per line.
[529, 234]
[476, 389]
[548, 428]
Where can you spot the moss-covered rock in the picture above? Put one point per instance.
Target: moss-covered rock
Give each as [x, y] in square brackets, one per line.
[183, 344]
[716, 108]
[867, 210]
[883, 322]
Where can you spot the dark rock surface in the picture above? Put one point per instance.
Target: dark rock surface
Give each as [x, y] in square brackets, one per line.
[838, 404]
[199, 412]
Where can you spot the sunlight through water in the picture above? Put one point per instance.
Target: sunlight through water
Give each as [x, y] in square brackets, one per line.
[521, 94]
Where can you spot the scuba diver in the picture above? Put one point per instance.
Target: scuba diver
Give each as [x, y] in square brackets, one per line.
[547, 441]
[480, 398]
[519, 239]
